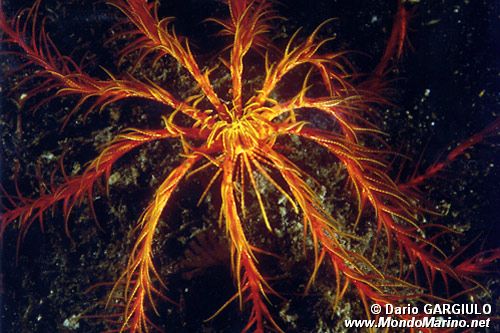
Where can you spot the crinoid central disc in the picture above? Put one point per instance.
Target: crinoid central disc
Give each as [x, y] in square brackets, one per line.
[246, 134]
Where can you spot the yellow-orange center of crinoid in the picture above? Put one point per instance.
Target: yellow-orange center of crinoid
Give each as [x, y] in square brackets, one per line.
[245, 133]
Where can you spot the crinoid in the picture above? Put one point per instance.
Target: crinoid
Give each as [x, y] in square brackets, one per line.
[239, 126]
